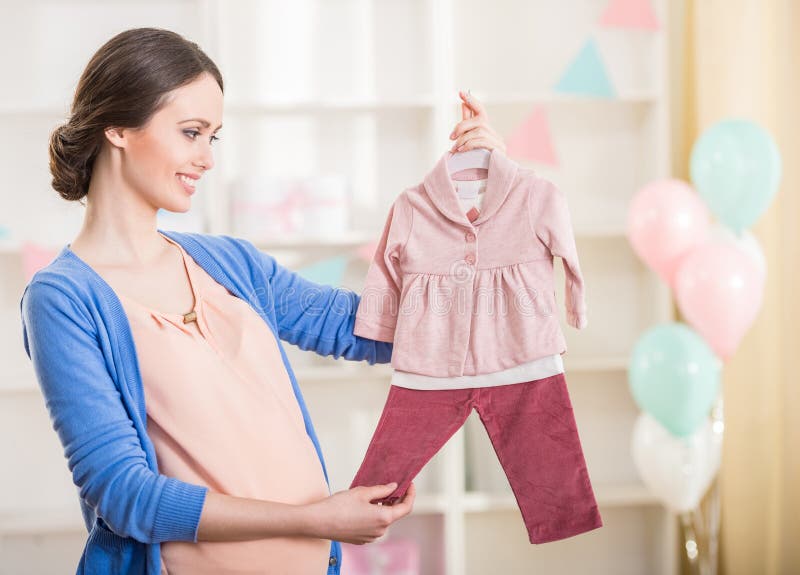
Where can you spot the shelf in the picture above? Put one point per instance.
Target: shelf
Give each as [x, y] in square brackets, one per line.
[607, 496]
[345, 240]
[40, 521]
[430, 504]
[348, 240]
[249, 108]
[314, 106]
[36, 110]
[18, 389]
[358, 238]
[298, 106]
[597, 233]
[563, 98]
[576, 363]
[341, 371]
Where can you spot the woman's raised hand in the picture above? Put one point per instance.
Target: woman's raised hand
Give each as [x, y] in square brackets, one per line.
[474, 131]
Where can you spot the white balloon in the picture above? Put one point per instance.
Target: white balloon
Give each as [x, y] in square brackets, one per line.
[677, 470]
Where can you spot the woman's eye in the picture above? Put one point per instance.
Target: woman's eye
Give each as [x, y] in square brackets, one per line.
[194, 133]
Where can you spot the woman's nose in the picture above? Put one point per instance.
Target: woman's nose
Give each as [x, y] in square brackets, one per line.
[206, 160]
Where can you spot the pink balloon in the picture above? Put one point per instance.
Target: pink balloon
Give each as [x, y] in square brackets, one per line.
[666, 219]
[719, 288]
[745, 241]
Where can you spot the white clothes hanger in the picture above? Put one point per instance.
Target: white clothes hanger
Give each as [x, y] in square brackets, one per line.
[477, 158]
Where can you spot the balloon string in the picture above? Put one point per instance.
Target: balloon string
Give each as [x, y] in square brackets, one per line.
[700, 526]
[689, 540]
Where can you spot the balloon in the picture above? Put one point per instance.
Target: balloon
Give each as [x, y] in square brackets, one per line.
[746, 241]
[736, 168]
[719, 289]
[674, 376]
[666, 219]
[678, 470]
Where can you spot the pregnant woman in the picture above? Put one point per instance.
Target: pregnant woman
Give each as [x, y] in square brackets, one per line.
[159, 353]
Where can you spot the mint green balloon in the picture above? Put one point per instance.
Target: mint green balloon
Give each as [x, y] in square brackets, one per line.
[674, 376]
[736, 169]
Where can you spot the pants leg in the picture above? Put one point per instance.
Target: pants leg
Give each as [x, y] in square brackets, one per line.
[413, 427]
[533, 431]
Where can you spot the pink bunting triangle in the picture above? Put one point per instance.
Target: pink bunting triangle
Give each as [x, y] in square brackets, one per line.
[531, 141]
[34, 258]
[637, 14]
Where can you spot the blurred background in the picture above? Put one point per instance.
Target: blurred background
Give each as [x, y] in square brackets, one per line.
[333, 107]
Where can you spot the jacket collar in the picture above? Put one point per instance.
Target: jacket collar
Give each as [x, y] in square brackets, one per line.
[442, 193]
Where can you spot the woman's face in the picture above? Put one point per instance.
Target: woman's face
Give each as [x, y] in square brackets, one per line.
[163, 160]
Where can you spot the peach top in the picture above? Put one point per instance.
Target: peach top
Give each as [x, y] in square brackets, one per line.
[222, 413]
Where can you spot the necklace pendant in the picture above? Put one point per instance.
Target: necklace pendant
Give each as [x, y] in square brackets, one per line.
[189, 317]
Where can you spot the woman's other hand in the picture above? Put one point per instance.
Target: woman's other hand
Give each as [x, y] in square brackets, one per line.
[474, 131]
[349, 517]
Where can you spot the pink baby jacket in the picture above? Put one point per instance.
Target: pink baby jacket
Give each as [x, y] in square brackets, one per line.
[460, 295]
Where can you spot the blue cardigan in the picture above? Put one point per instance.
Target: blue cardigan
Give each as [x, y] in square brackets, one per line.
[77, 335]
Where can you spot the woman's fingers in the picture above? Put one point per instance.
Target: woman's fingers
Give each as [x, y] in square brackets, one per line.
[405, 505]
[474, 131]
[466, 112]
[479, 132]
[465, 126]
[473, 103]
[472, 114]
[374, 492]
[476, 143]
[478, 138]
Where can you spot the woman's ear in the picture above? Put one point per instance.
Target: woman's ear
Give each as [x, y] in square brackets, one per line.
[116, 137]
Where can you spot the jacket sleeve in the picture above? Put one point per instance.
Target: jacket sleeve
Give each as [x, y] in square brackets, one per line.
[318, 317]
[100, 443]
[380, 300]
[552, 224]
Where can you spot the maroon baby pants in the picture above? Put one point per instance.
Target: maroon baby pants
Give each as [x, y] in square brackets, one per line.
[532, 428]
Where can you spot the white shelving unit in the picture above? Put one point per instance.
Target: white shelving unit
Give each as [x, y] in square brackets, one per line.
[367, 89]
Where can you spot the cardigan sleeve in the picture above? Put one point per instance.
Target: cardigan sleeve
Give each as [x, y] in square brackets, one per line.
[552, 224]
[318, 317]
[101, 445]
[380, 298]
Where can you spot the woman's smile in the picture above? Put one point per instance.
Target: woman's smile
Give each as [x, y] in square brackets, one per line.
[188, 181]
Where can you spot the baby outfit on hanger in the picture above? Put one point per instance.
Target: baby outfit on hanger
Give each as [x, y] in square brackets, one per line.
[462, 284]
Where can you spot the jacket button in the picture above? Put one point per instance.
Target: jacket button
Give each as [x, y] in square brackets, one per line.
[332, 561]
[470, 259]
[470, 237]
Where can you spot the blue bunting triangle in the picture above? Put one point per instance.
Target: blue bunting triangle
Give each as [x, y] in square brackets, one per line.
[328, 271]
[587, 75]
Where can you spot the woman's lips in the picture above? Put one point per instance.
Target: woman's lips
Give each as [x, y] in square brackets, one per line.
[187, 182]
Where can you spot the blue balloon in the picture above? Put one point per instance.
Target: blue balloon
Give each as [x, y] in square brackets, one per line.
[674, 376]
[736, 169]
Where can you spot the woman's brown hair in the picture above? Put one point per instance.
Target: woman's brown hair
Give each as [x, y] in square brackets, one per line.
[124, 84]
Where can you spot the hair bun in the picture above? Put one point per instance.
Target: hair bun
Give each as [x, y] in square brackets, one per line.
[70, 159]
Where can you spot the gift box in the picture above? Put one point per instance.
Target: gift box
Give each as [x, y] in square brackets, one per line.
[269, 208]
[389, 557]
